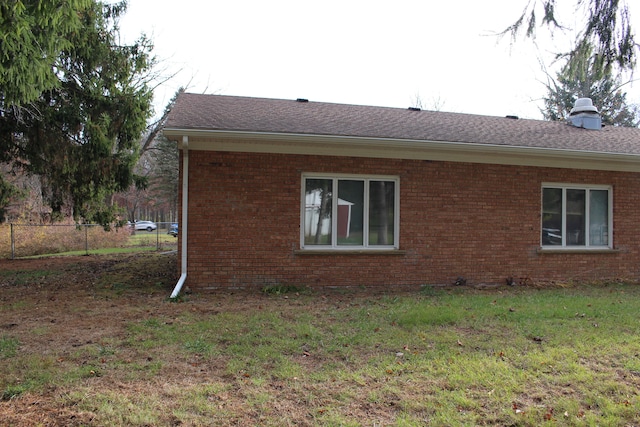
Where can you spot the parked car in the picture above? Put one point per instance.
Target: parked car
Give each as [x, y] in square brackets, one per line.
[173, 230]
[145, 225]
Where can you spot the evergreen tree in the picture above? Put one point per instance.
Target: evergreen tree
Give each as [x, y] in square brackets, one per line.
[80, 133]
[32, 35]
[588, 80]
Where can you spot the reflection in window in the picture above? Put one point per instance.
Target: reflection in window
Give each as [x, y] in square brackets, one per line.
[552, 216]
[576, 200]
[381, 212]
[317, 211]
[575, 217]
[363, 212]
[599, 218]
[350, 209]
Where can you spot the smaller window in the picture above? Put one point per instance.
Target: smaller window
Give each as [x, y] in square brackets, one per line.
[349, 212]
[575, 216]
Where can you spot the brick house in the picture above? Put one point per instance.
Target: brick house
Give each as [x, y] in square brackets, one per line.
[319, 194]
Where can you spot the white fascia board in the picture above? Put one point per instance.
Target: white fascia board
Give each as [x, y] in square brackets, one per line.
[331, 145]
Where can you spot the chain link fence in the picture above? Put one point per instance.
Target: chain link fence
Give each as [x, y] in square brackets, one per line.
[28, 240]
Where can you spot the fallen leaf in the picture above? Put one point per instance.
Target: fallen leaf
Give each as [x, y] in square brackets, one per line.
[549, 415]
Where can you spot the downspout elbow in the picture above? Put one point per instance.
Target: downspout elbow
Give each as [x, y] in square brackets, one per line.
[178, 288]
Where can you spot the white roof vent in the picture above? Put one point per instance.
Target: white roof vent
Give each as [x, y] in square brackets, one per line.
[585, 115]
[583, 105]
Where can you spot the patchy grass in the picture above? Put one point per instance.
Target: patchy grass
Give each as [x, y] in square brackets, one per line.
[8, 347]
[30, 277]
[103, 251]
[107, 348]
[278, 289]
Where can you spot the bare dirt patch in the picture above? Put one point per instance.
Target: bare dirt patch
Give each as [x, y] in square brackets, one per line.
[66, 309]
[59, 305]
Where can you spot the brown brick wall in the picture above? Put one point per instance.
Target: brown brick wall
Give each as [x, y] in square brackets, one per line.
[481, 222]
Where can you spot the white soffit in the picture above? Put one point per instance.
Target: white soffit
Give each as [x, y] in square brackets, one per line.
[330, 145]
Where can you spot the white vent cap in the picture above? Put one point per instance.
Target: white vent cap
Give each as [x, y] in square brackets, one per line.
[583, 105]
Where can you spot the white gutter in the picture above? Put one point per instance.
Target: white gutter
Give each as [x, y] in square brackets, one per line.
[334, 145]
[183, 225]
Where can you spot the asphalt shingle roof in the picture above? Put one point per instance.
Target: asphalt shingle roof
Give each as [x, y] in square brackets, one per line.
[245, 114]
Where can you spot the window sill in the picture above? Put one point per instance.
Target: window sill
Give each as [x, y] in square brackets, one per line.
[565, 250]
[349, 252]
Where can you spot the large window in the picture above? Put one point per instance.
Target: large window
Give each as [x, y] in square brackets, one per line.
[349, 212]
[576, 216]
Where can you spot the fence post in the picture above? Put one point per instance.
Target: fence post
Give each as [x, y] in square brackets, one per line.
[13, 244]
[86, 239]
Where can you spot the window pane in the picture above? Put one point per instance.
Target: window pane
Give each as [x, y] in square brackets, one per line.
[317, 211]
[576, 217]
[350, 212]
[598, 217]
[552, 216]
[381, 212]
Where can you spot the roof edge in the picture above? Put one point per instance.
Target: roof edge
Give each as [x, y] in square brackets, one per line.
[354, 146]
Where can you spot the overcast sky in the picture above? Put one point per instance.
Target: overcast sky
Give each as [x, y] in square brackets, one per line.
[368, 52]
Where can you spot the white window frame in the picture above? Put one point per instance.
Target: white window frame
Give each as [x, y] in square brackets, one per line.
[334, 212]
[586, 187]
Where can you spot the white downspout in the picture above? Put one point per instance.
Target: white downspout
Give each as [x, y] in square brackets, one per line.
[183, 225]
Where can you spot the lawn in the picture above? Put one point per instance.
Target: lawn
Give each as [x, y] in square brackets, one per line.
[96, 341]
